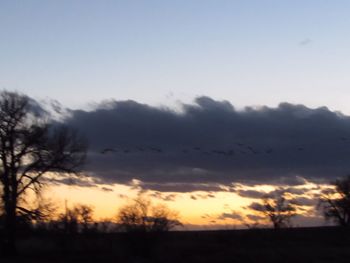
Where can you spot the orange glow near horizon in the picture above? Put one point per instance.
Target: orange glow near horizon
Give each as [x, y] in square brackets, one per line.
[195, 208]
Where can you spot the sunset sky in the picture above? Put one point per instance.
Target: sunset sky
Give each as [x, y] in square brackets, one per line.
[202, 105]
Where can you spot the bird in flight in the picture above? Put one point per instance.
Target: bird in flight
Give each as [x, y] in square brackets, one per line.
[107, 150]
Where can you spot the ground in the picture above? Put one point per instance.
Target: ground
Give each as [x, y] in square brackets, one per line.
[256, 245]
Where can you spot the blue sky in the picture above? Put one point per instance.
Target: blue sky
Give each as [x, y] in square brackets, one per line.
[248, 52]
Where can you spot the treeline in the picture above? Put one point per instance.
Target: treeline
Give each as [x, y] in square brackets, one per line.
[139, 215]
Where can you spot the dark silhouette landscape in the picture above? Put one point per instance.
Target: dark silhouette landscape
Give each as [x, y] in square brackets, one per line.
[32, 146]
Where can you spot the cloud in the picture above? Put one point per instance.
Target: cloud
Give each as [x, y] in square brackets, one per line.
[74, 181]
[232, 215]
[180, 187]
[106, 189]
[163, 197]
[297, 191]
[293, 180]
[122, 196]
[169, 198]
[305, 201]
[255, 217]
[251, 193]
[202, 196]
[211, 143]
[257, 207]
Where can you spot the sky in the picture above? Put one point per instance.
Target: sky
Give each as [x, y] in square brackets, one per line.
[203, 105]
[158, 52]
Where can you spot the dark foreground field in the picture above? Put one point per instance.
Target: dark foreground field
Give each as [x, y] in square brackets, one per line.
[259, 245]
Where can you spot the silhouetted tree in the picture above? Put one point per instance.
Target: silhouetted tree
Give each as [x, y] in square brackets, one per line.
[37, 215]
[142, 216]
[335, 202]
[77, 219]
[145, 225]
[276, 208]
[44, 210]
[30, 147]
[68, 222]
[85, 216]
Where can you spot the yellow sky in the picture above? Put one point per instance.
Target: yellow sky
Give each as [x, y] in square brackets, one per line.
[195, 208]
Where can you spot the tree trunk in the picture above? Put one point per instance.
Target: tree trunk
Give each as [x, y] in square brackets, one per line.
[9, 246]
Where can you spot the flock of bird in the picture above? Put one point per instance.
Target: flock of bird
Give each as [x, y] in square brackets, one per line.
[238, 148]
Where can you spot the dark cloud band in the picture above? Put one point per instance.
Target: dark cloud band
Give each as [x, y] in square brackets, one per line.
[211, 142]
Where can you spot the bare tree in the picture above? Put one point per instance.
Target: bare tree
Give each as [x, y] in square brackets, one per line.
[77, 219]
[163, 219]
[277, 209]
[30, 148]
[38, 210]
[68, 222]
[335, 202]
[85, 216]
[141, 215]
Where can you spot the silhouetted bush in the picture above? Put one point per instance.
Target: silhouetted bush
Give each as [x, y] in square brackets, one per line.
[144, 225]
[141, 216]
